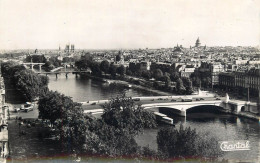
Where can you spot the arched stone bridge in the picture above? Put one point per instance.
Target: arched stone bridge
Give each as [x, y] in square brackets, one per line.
[180, 108]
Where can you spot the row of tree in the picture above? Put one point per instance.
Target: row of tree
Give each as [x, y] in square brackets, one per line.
[113, 134]
[29, 84]
[182, 85]
[86, 62]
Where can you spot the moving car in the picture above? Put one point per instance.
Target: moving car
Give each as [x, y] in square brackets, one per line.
[186, 99]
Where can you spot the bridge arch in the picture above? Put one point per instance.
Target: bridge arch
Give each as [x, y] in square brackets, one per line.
[204, 108]
[170, 110]
[243, 108]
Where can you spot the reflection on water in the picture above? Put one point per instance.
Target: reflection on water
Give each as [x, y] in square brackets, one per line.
[221, 126]
[87, 89]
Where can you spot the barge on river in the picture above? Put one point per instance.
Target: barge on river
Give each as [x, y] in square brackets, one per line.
[163, 118]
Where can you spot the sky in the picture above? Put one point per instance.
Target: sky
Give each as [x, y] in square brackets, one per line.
[128, 24]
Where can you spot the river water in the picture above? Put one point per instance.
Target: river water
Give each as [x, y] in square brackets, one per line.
[222, 126]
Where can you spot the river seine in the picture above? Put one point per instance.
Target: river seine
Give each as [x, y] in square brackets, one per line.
[222, 126]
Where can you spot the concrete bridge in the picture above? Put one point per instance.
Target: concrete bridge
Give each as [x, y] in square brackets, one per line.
[33, 64]
[180, 108]
[226, 105]
[66, 72]
[56, 71]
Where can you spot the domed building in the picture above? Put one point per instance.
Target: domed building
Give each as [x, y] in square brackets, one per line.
[197, 44]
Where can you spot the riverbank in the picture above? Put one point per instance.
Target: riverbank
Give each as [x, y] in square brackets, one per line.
[141, 87]
[249, 115]
[135, 86]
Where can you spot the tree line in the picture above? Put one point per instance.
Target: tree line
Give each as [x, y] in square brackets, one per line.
[166, 81]
[113, 135]
[29, 84]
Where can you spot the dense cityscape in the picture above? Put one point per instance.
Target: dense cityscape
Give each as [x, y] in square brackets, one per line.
[171, 73]
[235, 68]
[129, 81]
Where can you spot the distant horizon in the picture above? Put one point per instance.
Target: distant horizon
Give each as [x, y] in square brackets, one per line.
[76, 49]
[124, 24]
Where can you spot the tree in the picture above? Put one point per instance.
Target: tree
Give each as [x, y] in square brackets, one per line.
[180, 88]
[35, 58]
[68, 60]
[206, 82]
[95, 68]
[188, 85]
[104, 66]
[109, 140]
[54, 61]
[146, 74]
[174, 76]
[30, 84]
[128, 72]
[112, 70]
[66, 116]
[87, 57]
[186, 143]
[81, 64]
[122, 114]
[157, 74]
[167, 81]
[52, 106]
[121, 70]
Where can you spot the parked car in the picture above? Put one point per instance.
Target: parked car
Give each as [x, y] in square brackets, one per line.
[93, 103]
[27, 107]
[202, 99]
[218, 99]
[160, 99]
[173, 100]
[137, 99]
[197, 99]
[17, 109]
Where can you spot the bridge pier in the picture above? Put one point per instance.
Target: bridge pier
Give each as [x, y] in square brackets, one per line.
[40, 68]
[56, 76]
[183, 113]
